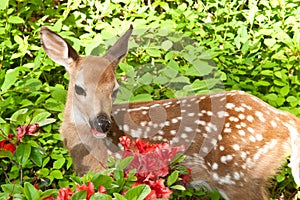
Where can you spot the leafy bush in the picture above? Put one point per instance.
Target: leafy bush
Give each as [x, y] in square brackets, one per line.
[178, 48]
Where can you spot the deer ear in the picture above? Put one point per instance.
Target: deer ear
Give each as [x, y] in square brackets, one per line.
[120, 48]
[57, 48]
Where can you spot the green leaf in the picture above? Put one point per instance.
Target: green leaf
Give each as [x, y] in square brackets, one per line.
[6, 154]
[272, 97]
[59, 163]
[19, 115]
[199, 68]
[285, 90]
[48, 193]
[270, 42]
[119, 197]
[291, 99]
[178, 159]
[100, 179]
[9, 79]
[36, 156]
[40, 117]
[12, 188]
[4, 4]
[31, 193]
[56, 174]
[146, 79]
[262, 83]
[124, 162]
[141, 97]
[138, 193]
[153, 52]
[15, 20]
[46, 122]
[99, 196]
[172, 178]
[79, 195]
[23, 153]
[177, 187]
[166, 45]
[44, 172]
[280, 178]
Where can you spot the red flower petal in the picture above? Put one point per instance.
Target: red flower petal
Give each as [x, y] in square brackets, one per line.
[21, 132]
[88, 188]
[2, 142]
[64, 193]
[27, 130]
[10, 147]
[102, 189]
[161, 190]
[151, 195]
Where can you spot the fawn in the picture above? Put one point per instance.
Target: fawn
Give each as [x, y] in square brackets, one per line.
[234, 141]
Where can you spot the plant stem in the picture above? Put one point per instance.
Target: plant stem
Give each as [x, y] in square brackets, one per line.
[21, 174]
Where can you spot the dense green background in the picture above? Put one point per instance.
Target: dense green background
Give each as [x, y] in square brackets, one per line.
[178, 48]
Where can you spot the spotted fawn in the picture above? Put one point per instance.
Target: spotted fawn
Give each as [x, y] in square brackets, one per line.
[234, 141]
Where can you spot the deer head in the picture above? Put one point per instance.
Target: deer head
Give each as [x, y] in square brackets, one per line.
[92, 80]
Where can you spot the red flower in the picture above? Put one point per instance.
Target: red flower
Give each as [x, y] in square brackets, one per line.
[89, 188]
[102, 189]
[160, 189]
[186, 177]
[64, 193]
[36, 186]
[125, 141]
[151, 162]
[27, 130]
[151, 195]
[6, 145]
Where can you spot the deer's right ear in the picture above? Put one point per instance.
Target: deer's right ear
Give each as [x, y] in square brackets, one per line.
[57, 48]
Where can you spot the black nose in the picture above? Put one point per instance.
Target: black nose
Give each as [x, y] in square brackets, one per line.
[102, 123]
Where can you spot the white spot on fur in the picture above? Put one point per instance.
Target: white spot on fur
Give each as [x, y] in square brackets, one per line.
[214, 166]
[273, 124]
[242, 116]
[260, 116]
[173, 132]
[125, 128]
[259, 137]
[236, 147]
[221, 148]
[188, 129]
[229, 105]
[250, 118]
[227, 130]
[143, 123]
[222, 114]
[241, 132]
[251, 130]
[184, 135]
[174, 120]
[191, 114]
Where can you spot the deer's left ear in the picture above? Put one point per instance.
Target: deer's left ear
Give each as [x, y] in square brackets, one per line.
[120, 48]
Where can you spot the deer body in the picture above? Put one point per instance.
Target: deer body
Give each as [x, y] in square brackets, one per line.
[234, 141]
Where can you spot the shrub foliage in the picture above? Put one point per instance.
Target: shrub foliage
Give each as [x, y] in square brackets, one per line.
[178, 48]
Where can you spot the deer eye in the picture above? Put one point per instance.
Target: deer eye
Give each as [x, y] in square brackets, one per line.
[79, 90]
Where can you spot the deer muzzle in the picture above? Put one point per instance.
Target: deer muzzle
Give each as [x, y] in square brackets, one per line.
[100, 125]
